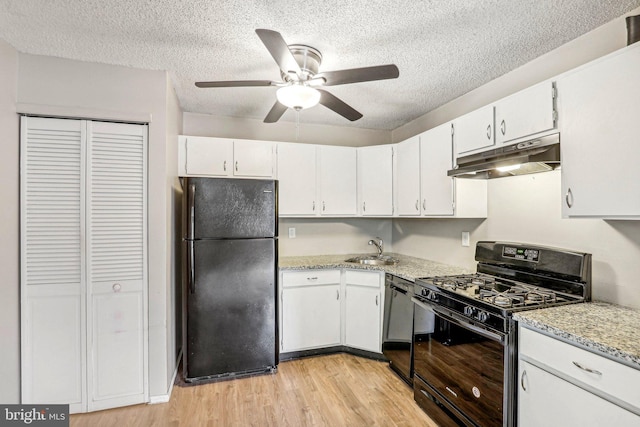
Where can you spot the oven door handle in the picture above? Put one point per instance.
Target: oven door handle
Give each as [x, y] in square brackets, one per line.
[487, 334]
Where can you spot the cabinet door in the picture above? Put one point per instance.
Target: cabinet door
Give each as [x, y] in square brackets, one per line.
[362, 317]
[375, 180]
[600, 130]
[408, 177]
[253, 158]
[436, 158]
[296, 179]
[53, 345]
[208, 156]
[310, 317]
[525, 113]
[546, 400]
[116, 263]
[474, 131]
[337, 180]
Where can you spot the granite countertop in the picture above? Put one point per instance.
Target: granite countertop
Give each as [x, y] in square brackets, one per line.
[606, 328]
[408, 267]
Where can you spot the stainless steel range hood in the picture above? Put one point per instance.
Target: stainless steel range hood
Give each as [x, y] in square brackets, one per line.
[536, 155]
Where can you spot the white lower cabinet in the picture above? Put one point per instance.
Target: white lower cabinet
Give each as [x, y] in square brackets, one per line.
[310, 313]
[316, 314]
[560, 384]
[83, 263]
[363, 310]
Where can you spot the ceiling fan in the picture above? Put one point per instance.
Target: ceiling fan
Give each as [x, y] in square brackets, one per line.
[299, 88]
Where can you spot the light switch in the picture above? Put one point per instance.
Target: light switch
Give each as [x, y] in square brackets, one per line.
[292, 233]
[465, 238]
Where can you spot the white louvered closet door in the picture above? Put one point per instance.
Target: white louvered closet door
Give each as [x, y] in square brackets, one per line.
[52, 286]
[116, 264]
[84, 268]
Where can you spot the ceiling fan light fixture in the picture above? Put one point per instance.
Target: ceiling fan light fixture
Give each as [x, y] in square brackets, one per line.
[298, 97]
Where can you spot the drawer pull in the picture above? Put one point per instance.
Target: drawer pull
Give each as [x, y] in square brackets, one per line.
[311, 279]
[589, 370]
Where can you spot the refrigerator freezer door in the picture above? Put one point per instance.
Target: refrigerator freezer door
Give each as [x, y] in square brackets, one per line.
[221, 208]
[231, 312]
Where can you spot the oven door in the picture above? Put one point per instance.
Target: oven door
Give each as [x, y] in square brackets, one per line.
[463, 365]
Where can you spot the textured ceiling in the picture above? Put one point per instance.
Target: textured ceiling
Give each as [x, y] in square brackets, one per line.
[443, 48]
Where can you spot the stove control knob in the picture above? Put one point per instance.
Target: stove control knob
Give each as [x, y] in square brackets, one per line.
[468, 311]
[483, 316]
[424, 292]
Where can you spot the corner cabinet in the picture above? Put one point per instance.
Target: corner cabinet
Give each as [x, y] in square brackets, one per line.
[600, 134]
[222, 157]
[363, 310]
[422, 185]
[375, 180]
[84, 328]
[329, 308]
[560, 384]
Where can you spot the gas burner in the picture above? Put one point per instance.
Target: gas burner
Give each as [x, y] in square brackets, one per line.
[502, 301]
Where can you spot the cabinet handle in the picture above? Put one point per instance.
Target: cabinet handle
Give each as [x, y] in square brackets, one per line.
[489, 132]
[324, 207]
[236, 166]
[524, 374]
[364, 206]
[376, 300]
[224, 166]
[424, 204]
[503, 127]
[589, 370]
[568, 198]
[311, 279]
[337, 294]
[417, 205]
[313, 206]
[117, 287]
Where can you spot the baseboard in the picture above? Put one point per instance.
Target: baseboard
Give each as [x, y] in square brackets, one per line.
[164, 398]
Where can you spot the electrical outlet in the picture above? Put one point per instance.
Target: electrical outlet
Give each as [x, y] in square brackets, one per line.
[465, 238]
[292, 233]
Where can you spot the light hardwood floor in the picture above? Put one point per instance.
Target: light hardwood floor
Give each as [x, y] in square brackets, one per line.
[335, 390]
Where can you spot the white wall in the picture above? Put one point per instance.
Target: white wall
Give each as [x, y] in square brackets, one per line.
[81, 89]
[9, 227]
[232, 127]
[527, 208]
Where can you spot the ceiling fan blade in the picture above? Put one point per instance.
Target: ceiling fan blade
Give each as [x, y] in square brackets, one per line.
[236, 83]
[275, 113]
[278, 48]
[356, 75]
[336, 104]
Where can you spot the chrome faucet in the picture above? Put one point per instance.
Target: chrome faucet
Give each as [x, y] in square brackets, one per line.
[379, 244]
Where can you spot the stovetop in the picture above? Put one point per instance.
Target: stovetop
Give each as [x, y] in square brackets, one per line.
[498, 292]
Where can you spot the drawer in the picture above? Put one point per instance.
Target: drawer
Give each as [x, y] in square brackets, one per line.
[573, 363]
[310, 277]
[363, 278]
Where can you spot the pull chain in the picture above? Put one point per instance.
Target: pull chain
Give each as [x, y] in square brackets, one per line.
[297, 124]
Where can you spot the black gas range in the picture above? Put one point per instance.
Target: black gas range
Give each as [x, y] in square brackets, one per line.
[465, 343]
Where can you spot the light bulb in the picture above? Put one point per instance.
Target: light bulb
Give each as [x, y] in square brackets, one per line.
[508, 168]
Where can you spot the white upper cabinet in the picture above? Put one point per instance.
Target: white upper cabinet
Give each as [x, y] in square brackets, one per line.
[375, 180]
[473, 132]
[407, 189]
[436, 158]
[600, 134]
[222, 157]
[337, 180]
[525, 113]
[297, 179]
[207, 156]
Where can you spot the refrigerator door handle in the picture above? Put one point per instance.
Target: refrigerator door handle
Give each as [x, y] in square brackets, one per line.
[192, 270]
[192, 210]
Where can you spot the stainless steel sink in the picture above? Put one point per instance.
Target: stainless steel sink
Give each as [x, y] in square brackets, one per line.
[373, 260]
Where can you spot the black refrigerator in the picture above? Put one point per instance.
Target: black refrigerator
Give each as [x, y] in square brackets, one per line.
[230, 258]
